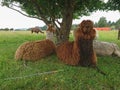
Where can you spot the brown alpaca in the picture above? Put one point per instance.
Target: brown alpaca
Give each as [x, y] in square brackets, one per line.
[36, 30]
[51, 28]
[32, 51]
[81, 50]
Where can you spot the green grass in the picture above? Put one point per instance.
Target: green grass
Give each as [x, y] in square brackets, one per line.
[69, 78]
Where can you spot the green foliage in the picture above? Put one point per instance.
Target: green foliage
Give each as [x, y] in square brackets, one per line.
[102, 22]
[113, 5]
[55, 8]
[117, 26]
[69, 78]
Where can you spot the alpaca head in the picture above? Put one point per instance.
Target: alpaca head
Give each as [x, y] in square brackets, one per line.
[86, 26]
[50, 28]
[50, 25]
[85, 31]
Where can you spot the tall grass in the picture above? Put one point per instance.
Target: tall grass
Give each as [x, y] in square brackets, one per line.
[67, 77]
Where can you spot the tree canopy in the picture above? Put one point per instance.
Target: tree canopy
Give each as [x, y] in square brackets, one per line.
[102, 22]
[53, 9]
[113, 5]
[50, 11]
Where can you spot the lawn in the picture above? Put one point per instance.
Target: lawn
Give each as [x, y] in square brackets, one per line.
[49, 73]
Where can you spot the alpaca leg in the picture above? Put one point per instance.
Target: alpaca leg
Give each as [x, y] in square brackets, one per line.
[94, 59]
[24, 63]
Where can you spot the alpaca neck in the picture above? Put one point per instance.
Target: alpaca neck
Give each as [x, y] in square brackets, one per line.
[86, 51]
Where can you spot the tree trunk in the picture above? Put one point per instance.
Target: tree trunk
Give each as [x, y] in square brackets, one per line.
[65, 26]
[119, 34]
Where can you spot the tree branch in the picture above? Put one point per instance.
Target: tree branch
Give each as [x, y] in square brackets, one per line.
[15, 5]
[58, 22]
[23, 13]
[38, 8]
[56, 26]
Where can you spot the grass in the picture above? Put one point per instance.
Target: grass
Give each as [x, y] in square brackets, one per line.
[67, 77]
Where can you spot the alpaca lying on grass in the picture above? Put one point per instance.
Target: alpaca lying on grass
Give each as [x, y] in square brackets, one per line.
[32, 51]
[81, 50]
[106, 48]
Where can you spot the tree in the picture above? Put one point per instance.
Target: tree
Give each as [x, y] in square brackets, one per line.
[102, 22]
[117, 24]
[44, 27]
[50, 11]
[113, 5]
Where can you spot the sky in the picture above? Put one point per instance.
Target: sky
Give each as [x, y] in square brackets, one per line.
[12, 19]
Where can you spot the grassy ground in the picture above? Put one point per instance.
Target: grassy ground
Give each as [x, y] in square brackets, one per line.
[14, 76]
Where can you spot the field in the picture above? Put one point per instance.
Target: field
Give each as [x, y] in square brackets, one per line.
[49, 73]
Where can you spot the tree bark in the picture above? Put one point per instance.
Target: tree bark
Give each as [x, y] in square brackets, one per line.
[65, 26]
[119, 34]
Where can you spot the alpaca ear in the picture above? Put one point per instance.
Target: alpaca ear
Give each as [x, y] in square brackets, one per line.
[82, 23]
[94, 31]
[48, 25]
[78, 33]
[91, 23]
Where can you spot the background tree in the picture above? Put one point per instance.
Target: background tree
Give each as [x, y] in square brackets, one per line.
[102, 22]
[117, 24]
[113, 5]
[50, 11]
[109, 23]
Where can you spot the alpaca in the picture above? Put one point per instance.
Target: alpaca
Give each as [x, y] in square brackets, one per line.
[32, 51]
[36, 30]
[80, 51]
[106, 49]
[50, 33]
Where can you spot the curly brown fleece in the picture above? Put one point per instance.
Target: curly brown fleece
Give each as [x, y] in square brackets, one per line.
[80, 51]
[32, 51]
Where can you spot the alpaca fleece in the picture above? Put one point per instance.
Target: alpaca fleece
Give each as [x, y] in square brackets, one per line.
[34, 50]
[79, 52]
[106, 48]
[50, 33]
[68, 53]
